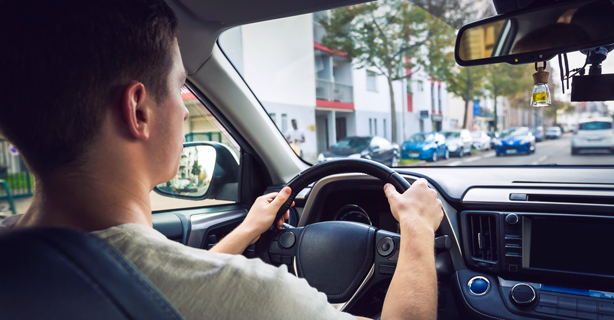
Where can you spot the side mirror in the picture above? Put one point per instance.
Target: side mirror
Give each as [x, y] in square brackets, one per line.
[207, 170]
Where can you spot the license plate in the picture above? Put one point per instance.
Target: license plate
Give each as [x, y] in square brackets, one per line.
[511, 151]
[594, 140]
[415, 155]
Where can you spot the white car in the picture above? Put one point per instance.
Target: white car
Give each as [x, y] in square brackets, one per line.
[553, 133]
[593, 135]
[481, 141]
[459, 142]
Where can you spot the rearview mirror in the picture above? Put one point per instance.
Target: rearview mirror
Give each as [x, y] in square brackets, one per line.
[534, 35]
[207, 170]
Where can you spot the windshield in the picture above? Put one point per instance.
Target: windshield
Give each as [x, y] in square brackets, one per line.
[422, 138]
[515, 132]
[596, 126]
[352, 143]
[449, 135]
[323, 77]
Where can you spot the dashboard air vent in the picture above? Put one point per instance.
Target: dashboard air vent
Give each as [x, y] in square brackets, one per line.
[483, 236]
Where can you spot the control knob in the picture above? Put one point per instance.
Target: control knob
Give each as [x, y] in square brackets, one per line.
[523, 295]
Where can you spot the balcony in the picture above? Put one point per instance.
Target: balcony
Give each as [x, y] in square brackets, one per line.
[331, 91]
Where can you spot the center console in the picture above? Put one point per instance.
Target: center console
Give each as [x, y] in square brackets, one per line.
[541, 265]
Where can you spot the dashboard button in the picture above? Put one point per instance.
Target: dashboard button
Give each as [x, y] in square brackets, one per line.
[567, 313]
[287, 239]
[549, 300]
[523, 294]
[511, 218]
[385, 247]
[479, 285]
[568, 303]
[587, 305]
[605, 307]
[386, 269]
[545, 309]
[274, 247]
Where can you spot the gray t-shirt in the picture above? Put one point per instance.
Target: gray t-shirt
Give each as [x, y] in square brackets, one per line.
[208, 285]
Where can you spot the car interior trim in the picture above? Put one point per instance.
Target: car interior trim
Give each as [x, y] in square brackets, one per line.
[502, 196]
[200, 223]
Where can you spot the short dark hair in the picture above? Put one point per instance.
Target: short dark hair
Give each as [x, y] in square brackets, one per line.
[63, 62]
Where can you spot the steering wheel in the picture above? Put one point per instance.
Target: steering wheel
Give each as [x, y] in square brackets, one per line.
[341, 259]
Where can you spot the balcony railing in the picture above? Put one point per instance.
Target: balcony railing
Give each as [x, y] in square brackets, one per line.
[331, 91]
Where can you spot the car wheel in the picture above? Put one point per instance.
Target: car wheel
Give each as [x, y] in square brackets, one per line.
[471, 151]
[447, 155]
[394, 162]
[434, 158]
[499, 154]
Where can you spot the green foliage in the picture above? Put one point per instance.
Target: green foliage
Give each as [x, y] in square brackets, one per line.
[505, 80]
[18, 181]
[196, 169]
[467, 84]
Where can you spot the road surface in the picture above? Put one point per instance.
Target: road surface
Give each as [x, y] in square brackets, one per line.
[547, 152]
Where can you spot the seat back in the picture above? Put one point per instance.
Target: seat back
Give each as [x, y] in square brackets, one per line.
[54, 273]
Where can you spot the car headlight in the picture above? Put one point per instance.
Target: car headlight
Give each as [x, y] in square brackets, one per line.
[404, 147]
[452, 146]
[321, 157]
[364, 152]
[498, 142]
[355, 156]
[525, 140]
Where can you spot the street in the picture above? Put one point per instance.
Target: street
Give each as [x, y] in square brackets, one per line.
[547, 152]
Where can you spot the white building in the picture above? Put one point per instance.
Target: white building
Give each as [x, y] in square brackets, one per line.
[295, 77]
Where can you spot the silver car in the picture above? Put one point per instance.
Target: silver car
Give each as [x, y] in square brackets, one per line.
[459, 142]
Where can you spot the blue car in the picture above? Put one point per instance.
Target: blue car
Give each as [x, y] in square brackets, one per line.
[425, 146]
[515, 140]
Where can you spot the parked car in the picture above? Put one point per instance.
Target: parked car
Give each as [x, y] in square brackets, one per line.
[481, 141]
[593, 135]
[553, 133]
[372, 148]
[459, 142]
[425, 146]
[538, 133]
[494, 136]
[515, 140]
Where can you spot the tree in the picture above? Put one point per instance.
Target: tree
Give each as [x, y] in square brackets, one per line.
[383, 35]
[467, 84]
[196, 169]
[504, 80]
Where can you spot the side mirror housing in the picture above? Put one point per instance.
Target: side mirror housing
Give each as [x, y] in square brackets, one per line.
[207, 170]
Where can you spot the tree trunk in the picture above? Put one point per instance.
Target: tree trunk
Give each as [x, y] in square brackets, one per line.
[495, 113]
[393, 114]
[466, 112]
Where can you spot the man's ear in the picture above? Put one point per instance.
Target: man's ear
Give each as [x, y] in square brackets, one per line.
[135, 108]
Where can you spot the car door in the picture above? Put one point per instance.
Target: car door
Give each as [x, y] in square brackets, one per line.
[196, 220]
[377, 152]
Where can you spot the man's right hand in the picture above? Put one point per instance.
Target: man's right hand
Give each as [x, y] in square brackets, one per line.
[417, 207]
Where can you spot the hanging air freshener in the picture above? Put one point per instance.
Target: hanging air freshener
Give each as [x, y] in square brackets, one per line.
[541, 92]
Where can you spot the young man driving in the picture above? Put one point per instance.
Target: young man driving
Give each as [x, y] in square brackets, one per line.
[92, 99]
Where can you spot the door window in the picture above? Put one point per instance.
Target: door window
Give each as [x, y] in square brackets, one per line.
[200, 168]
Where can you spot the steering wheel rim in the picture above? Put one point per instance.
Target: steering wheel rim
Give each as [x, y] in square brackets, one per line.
[319, 171]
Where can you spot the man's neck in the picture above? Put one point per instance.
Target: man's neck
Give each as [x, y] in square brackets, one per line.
[88, 202]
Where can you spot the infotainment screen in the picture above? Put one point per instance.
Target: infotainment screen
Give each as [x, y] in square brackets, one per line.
[584, 245]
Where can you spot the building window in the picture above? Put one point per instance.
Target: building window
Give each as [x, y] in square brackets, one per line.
[370, 126]
[371, 81]
[384, 134]
[420, 85]
[284, 123]
[273, 117]
[375, 126]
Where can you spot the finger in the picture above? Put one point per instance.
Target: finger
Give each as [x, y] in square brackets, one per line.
[390, 191]
[281, 197]
[292, 204]
[270, 196]
[287, 215]
[421, 183]
[280, 223]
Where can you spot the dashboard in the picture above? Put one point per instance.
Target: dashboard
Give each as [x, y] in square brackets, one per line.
[522, 249]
